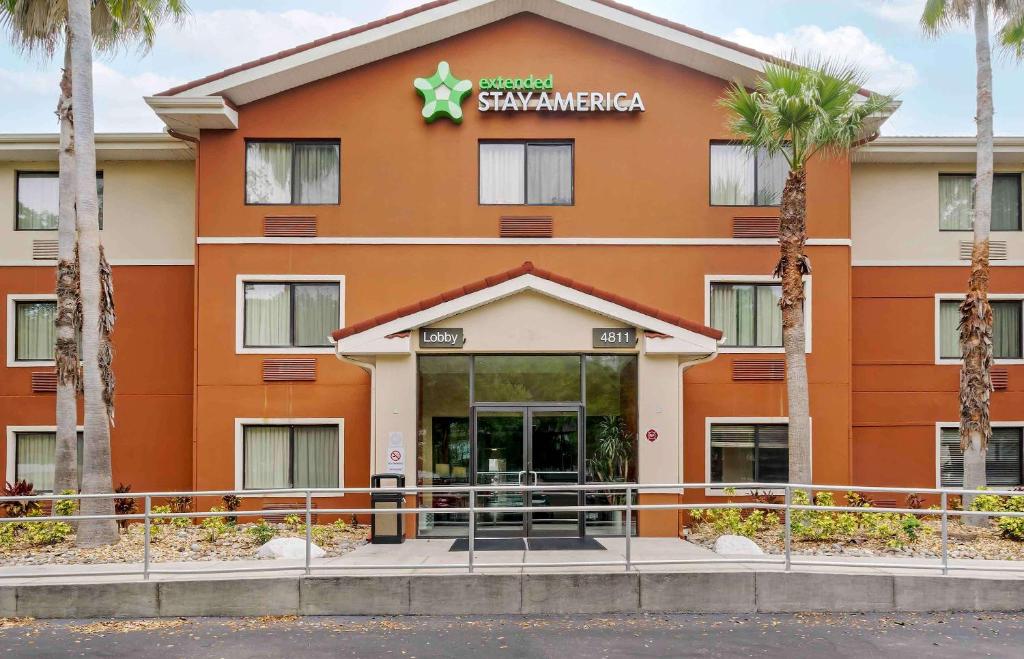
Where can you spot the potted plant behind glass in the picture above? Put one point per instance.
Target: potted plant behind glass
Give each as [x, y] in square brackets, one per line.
[610, 462]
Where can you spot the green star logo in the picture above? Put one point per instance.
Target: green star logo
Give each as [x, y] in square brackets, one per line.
[442, 94]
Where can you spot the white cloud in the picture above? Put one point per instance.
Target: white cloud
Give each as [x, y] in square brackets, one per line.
[847, 43]
[904, 12]
[232, 36]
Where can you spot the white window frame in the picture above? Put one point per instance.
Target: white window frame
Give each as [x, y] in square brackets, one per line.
[240, 424]
[758, 279]
[939, 425]
[11, 461]
[712, 420]
[12, 300]
[959, 297]
[242, 280]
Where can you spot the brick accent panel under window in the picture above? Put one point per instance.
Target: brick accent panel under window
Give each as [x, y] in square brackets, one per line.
[289, 370]
[759, 369]
[44, 382]
[1000, 378]
[526, 227]
[289, 226]
[755, 227]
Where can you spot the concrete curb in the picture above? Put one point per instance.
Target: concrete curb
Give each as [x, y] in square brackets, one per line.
[538, 593]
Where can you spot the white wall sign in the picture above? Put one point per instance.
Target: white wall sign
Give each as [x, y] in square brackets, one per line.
[396, 454]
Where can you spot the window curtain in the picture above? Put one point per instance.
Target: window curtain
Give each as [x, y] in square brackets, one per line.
[771, 178]
[772, 453]
[316, 173]
[266, 457]
[949, 329]
[746, 331]
[1006, 329]
[549, 174]
[1006, 203]
[268, 314]
[1002, 461]
[268, 173]
[316, 313]
[36, 334]
[502, 176]
[723, 312]
[732, 453]
[35, 455]
[316, 456]
[38, 206]
[955, 203]
[769, 316]
[732, 175]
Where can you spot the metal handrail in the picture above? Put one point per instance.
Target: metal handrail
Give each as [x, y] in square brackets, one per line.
[630, 509]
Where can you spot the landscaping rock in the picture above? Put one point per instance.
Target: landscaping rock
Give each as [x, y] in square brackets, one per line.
[289, 548]
[737, 545]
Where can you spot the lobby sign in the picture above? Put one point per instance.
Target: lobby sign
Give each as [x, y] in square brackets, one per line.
[614, 337]
[534, 94]
[442, 337]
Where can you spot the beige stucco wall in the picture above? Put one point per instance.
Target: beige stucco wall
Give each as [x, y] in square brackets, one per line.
[148, 211]
[895, 211]
[531, 322]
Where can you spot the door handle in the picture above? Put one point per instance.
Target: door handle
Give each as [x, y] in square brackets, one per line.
[519, 478]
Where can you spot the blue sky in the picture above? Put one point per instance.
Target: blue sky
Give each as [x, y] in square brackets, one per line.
[935, 77]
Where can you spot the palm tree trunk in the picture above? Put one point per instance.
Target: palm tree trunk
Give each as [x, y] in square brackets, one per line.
[96, 466]
[975, 312]
[69, 308]
[793, 265]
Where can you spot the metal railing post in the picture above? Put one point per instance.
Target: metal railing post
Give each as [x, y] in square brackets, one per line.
[789, 527]
[945, 535]
[629, 525]
[146, 535]
[309, 530]
[472, 529]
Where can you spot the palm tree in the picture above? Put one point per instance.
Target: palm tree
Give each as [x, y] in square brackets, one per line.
[37, 26]
[800, 112]
[975, 311]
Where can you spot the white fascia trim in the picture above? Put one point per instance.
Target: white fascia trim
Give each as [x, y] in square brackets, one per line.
[928, 263]
[691, 342]
[51, 263]
[240, 424]
[757, 279]
[442, 240]
[13, 298]
[10, 464]
[939, 297]
[939, 425]
[242, 280]
[710, 420]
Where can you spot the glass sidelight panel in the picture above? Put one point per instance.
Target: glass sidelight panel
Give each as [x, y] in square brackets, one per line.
[554, 447]
[500, 460]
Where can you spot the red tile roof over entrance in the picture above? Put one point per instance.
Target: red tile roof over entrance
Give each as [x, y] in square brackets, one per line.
[526, 268]
[439, 3]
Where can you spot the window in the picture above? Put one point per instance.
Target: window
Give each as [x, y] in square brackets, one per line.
[742, 178]
[749, 453]
[35, 334]
[956, 202]
[34, 458]
[39, 201]
[748, 314]
[290, 456]
[1002, 461]
[290, 314]
[1006, 329]
[535, 173]
[299, 172]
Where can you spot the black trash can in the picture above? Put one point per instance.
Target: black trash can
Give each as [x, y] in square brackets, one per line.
[387, 529]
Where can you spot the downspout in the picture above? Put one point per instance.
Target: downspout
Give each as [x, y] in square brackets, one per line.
[372, 370]
[683, 366]
[195, 310]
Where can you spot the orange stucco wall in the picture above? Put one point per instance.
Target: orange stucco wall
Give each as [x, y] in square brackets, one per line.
[151, 443]
[899, 393]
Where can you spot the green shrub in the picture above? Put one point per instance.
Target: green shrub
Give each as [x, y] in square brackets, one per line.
[1011, 528]
[177, 522]
[323, 535]
[339, 525]
[294, 522]
[66, 507]
[47, 533]
[261, 532]
[214, 527]
[731, 521]
[8, 532]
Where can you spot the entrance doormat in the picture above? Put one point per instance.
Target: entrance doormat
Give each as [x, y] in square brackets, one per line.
[490, 544]
[570, 544]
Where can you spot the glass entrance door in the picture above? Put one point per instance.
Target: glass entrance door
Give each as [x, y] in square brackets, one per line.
[528, 445]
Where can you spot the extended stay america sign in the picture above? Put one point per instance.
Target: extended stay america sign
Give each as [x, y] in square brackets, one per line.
[443, 94]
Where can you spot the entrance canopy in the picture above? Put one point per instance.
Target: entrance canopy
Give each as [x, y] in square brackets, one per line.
[395, 333]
